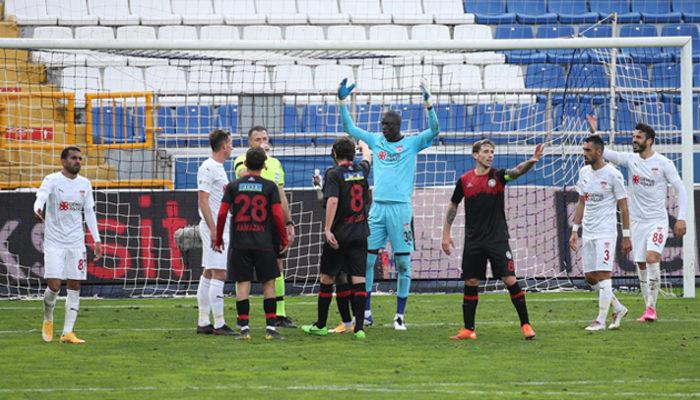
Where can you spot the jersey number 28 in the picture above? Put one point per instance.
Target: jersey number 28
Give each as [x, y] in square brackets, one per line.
[255, 208]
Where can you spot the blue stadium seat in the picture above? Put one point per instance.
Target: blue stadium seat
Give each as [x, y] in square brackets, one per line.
[683, 30]
[227, 117]
[489, 11]
[571, 116]
[520, 56]
[166, 121]
[622, 7]
[587, 77]
[655, 11]
[561, 56]
[108, 125]
[625, 120]
[531, 11]
[194, 120]
[324, 140]
[531, 117]
[689, 8]
[412, 116]
[461, 140]
[545, 76]
[666, 75]
[368, 117]
[322, 118]
[492, 118]
[292, 121]
[598, 31]
[645, 55]
[572, 12]
[696, 114]
[291, 140]
[453, 118]
[137, 118]
[659, 115]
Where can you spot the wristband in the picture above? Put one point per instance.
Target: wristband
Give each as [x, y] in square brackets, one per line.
[574, 227]
[626, 233]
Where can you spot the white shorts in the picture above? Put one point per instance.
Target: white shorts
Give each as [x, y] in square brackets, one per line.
[65, 263]
[648, 236]
[598, 254]
[212, 259]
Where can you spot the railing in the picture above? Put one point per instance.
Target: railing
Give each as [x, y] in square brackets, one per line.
[121, 129]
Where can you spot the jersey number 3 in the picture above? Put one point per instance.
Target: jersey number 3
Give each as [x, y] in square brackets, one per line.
[255, 208]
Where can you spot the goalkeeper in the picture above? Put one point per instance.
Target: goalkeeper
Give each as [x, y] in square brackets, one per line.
[391, 215]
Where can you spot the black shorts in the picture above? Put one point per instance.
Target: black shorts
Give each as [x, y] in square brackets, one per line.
[276, 245]
[245, 265]
[350, 258]
[474, 260]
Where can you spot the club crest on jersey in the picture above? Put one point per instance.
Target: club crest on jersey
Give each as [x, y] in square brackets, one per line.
[82, 193]
[492, 183]
[603, 184]
[250, 187]
[353, 176]
[655, 171]
[399, 148]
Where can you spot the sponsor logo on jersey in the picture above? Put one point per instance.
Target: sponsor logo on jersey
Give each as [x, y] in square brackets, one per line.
[640, 180]
[250, 187]
[492, 182]
[382, 155]
[594, 197]
[70, 206]
[353, 176]
[389, 157]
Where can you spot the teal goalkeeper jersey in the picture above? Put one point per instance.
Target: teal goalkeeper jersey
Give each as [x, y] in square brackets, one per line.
[394, 163]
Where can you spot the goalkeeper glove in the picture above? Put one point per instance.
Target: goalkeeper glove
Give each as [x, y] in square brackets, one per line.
[344, 90]
[426, 93]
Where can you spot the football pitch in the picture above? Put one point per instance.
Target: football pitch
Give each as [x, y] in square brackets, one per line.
[147, 349]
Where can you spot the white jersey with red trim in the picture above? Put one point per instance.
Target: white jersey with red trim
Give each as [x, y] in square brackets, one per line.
[212, 179]
[601, 189]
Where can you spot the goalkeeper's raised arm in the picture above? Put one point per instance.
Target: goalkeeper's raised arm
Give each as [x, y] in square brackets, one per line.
[348, 125]
[428, 135]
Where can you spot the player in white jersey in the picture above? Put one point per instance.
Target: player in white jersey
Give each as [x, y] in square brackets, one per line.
[211, 182]
[601, 191]
[61, 200]
[650, 174]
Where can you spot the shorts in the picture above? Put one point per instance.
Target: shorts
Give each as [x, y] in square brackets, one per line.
[598, 254]
[498, 254]
[65, 263]
[276, 245]
[212, 259]
[350, 258]
[392, 221]
[246, 264]
[648, 236]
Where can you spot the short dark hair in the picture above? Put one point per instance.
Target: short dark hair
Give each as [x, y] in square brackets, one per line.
[256, 128]
[476, 147]
[344, 149]
[649, 132]
[255, 159]
[596, 141]
[67, 150]
[217, 137]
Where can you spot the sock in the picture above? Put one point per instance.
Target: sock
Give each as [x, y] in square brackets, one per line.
[279, 292]
[654, 273]
[616, 305]
[203, 301]
[403, 281]
[216, 299]
[72, 306]
[604, 299]
[325, 295]
[270, 307]
[517, 296]
[469, 302]
[643, 284]
[49, 303]
[358, 304]
[243, 310]
[401, 305]
[343, 294]
[369, 281]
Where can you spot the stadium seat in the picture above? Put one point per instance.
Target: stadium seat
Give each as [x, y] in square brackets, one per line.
[123, 79]
[196, 12]
[280, 12]
[29, 12]
[140, 33]
[292, 118]
[666, 75]
[113, 12]
[177, 32]
[531, 117]
[326, 78]
[166, 122]
[81, 80]
[659, 115]
[194, 120]
[413, 118]
[346, 32]
[655, 11]
[690, 9]
[434, 32]
[531, 11]
[625, 120]
[216, 32]
[410, 77]
[56, 59]
[71, 12]
[546, 76]
[388, 32]
[645, 55]
[453, 117]
[605, 8]
[478, 32]
[155, 12]
[169, 83]
[596, 31]
[322, 118]
[572, 12]
[561, 56]
[588, 76]
[489, 12]
[462, 80]
[248, 78]
[238, 12]
[303, 32]
[292, 79]
[364, 12]
[291, 140]
[683, 30]
[209, 79]
[449, 12]
[227, 117]
[322, 12]
[506, 78]
[493, 117]
[519, 56]
[262, 32]
[368, 117]
[406, 11]
[571, 116]
[110, 126]
[376, 78]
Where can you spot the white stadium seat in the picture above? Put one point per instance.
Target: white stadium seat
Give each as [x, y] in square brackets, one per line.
[81, 80]
[506, 78]
[478, 32]
[208, 79]
[94, 32]
[347, 32]
[155, 12]
[280, 12]
[411, 75]
[168, 82]
[406, 11]
[376, 78]
[219, 32]
[140, 33]
[327, 77]
[388, 32]
[56, 58]
[241, 12]
[262, 32]
[292, 78]
[322, 12]
[461, 78]
[112, 12]
[449, 12]
[249, 78]
[71, 12]
[123, 79]
[177, 32]
[364, 12]
[29, 12]
[95, 58]
[196, 12]
[431, 33]
[52, 32]
[303, 32]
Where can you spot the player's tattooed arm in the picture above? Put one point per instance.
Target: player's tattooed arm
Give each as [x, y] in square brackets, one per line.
[523, 167]
[450, 215]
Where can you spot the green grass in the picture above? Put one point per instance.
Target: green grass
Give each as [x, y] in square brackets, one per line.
[146, 349]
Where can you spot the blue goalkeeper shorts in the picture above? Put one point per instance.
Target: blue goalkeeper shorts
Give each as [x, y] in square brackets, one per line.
[392, 222]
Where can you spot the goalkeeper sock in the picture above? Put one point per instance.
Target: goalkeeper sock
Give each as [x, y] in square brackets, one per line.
[369, 281]
[72, 306]
[403, 282]
[644, 284]
[243, 310]
[605, 295]
[49, 303]
[279, 292]
[203, 301]
[216, 299]
[358, 304]
[517, 296]
[654, 283]
[343, 294]
[325, 295]
[469, 303]
[270, 307]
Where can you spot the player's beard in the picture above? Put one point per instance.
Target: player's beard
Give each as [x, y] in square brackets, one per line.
[638, 147]
[74, 169]
[591, 161]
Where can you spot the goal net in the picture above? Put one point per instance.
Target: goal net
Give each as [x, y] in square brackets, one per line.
[142, 117]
